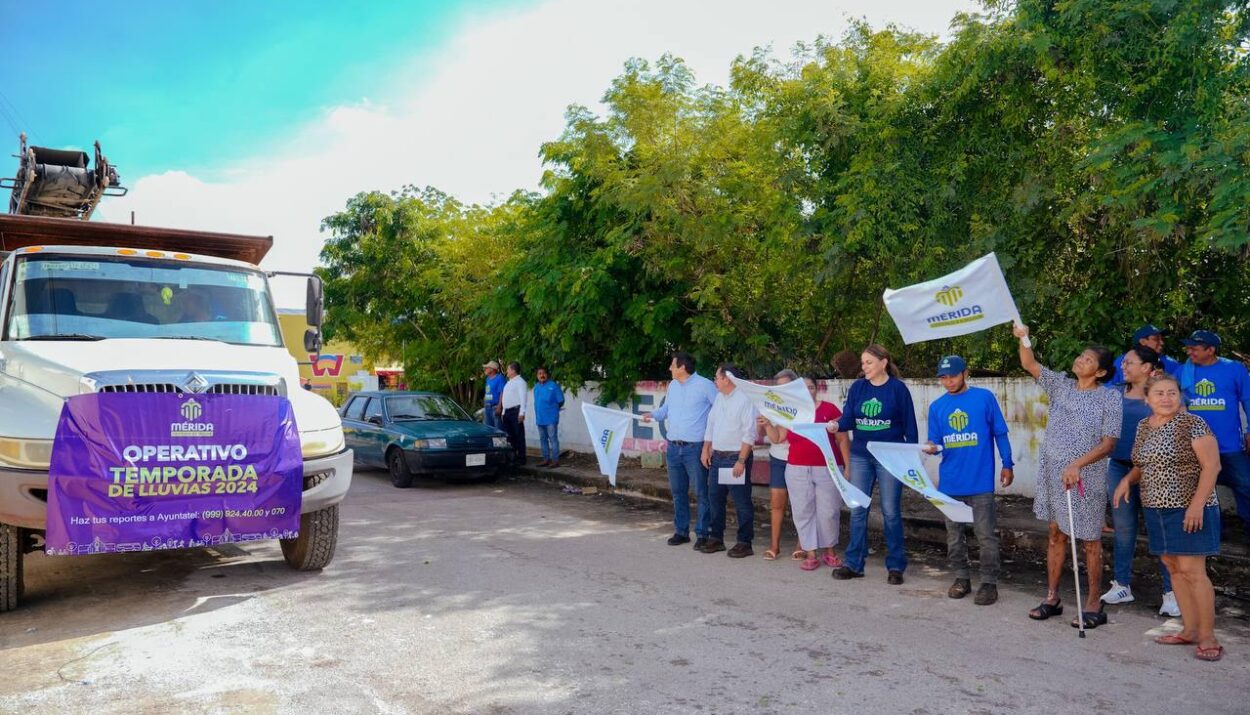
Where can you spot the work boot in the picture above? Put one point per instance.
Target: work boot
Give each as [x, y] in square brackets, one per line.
[678, 539]
[986, 595]
[962, 587]
[895, 578]
[845, 573]
[699, 543]
[712, 546]
[741, 551]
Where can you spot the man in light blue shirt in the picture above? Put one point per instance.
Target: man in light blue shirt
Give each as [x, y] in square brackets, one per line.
[684, 412]
[494, 393]
[548, 401]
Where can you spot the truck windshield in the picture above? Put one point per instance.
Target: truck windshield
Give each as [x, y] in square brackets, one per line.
[93, 297]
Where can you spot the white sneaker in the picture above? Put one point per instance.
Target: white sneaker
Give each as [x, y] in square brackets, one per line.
[1118, 594]
[1169, 607]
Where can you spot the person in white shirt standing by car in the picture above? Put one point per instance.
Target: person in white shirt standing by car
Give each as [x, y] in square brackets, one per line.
[513, 403]
[727, 444]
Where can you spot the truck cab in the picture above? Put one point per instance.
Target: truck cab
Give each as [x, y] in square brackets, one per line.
[87, 307]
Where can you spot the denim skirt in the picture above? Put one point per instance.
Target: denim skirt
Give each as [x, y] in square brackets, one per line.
[776, 473]
[1168, 537]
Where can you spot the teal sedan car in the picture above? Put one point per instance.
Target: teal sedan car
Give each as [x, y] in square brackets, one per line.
[421, 433]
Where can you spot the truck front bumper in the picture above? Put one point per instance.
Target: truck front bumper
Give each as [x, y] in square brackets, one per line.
[24, 493]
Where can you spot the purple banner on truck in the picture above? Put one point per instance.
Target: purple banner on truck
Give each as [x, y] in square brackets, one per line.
[148, 471]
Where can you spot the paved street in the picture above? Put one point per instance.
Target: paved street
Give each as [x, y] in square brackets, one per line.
[515, 598]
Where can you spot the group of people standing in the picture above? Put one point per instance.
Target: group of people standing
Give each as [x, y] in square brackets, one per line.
[1140, 431]
[504, 408]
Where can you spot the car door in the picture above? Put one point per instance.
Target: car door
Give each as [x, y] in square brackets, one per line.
[373, 433]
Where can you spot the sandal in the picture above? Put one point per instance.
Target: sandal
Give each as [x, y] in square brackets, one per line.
[1174, 639]
[1092, 619]
[810, 564]
[770, 555]
[1209, 654]
[831, 560]
[798, 555]
[1046, 610]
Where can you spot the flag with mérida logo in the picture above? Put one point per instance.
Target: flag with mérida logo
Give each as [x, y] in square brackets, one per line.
[969, 300]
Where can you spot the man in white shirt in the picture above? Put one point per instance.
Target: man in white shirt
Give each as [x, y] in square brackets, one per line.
[727, 444]
[513, 403]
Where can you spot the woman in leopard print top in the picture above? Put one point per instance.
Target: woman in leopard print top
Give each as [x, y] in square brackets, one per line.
[1176, 460]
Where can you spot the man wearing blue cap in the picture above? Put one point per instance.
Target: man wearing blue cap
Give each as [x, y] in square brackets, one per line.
[1151, 337]
[1218, 390]
[962, 423]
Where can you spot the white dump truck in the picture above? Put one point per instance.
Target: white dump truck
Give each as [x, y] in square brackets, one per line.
[89, 308]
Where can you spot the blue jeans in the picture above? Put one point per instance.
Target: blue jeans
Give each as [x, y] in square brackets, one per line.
[1124, 517]
[865, 472]
[684, 467]
[741, 494]
[1235, 474]
[549, 441]
[490, 418]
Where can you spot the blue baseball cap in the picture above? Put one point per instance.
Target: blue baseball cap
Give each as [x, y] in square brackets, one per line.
[951, 365]
[1145, 331]
[1203, 337]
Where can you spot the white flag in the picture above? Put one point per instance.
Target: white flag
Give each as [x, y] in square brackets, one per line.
[903, 461]
[969, 300]
[779, 404]
[607, 433]
[818, 435]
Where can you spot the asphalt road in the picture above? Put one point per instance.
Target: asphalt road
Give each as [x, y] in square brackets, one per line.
[515, 598]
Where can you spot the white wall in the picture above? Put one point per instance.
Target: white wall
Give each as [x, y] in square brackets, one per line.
[1022, 401]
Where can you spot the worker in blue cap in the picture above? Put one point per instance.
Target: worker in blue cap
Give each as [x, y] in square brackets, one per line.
[1218, 390]
[966, 424]
[1151, 337]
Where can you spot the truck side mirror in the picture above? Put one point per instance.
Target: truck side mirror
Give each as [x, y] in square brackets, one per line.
[312, 340]
[314, 303]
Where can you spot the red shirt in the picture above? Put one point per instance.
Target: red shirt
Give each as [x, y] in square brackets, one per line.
[805, 454]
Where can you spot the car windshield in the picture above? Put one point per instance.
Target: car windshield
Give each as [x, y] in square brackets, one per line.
[424, 407]
[95, 297]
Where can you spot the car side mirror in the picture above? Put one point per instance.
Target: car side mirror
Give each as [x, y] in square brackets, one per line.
[312, 340]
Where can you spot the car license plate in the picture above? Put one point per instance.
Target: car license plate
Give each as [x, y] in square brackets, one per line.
[474, 460]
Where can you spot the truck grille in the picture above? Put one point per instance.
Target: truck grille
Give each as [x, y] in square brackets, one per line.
[197, 382]
[220, 389]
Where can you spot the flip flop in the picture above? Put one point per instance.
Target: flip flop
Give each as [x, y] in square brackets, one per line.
[831, 560]
[1173, 639]
[798, 555]
[1046, 610]
[810, 564]
[1209, 654]
[770, 555]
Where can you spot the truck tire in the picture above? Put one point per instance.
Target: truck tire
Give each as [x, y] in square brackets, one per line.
[401, 476]
[313, 549]
[12, 553]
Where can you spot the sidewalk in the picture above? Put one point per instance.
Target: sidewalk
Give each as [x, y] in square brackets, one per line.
[1019, 530]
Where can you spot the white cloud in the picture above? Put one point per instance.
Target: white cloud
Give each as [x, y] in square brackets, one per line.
[468, 117]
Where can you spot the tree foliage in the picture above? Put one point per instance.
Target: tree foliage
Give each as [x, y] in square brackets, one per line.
[1100, 147]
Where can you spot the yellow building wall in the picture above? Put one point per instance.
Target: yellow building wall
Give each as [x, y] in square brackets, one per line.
[333, 373]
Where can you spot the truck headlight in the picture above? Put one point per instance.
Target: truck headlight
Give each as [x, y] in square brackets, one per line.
[434, 443]
[500, 442]
[26, 453]
[321, 442]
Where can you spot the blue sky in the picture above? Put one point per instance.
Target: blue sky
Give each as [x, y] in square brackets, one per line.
[264, 117]
[198, 85]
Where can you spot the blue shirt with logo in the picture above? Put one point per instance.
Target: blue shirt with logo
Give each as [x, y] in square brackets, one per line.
[878, 413]
[494, 389]
[964, 425]
[1170, 366]
[548, 399]
[1218, 393]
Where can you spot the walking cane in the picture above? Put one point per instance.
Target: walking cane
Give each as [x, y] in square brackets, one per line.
[1076, 569]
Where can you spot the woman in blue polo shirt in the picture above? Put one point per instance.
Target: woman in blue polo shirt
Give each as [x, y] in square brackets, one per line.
[878, 409]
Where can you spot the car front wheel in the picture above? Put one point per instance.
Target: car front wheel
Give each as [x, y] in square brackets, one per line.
[401, 477]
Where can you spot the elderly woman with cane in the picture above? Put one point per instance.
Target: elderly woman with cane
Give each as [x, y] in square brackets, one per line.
[1081, 431]
[1176, 461]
